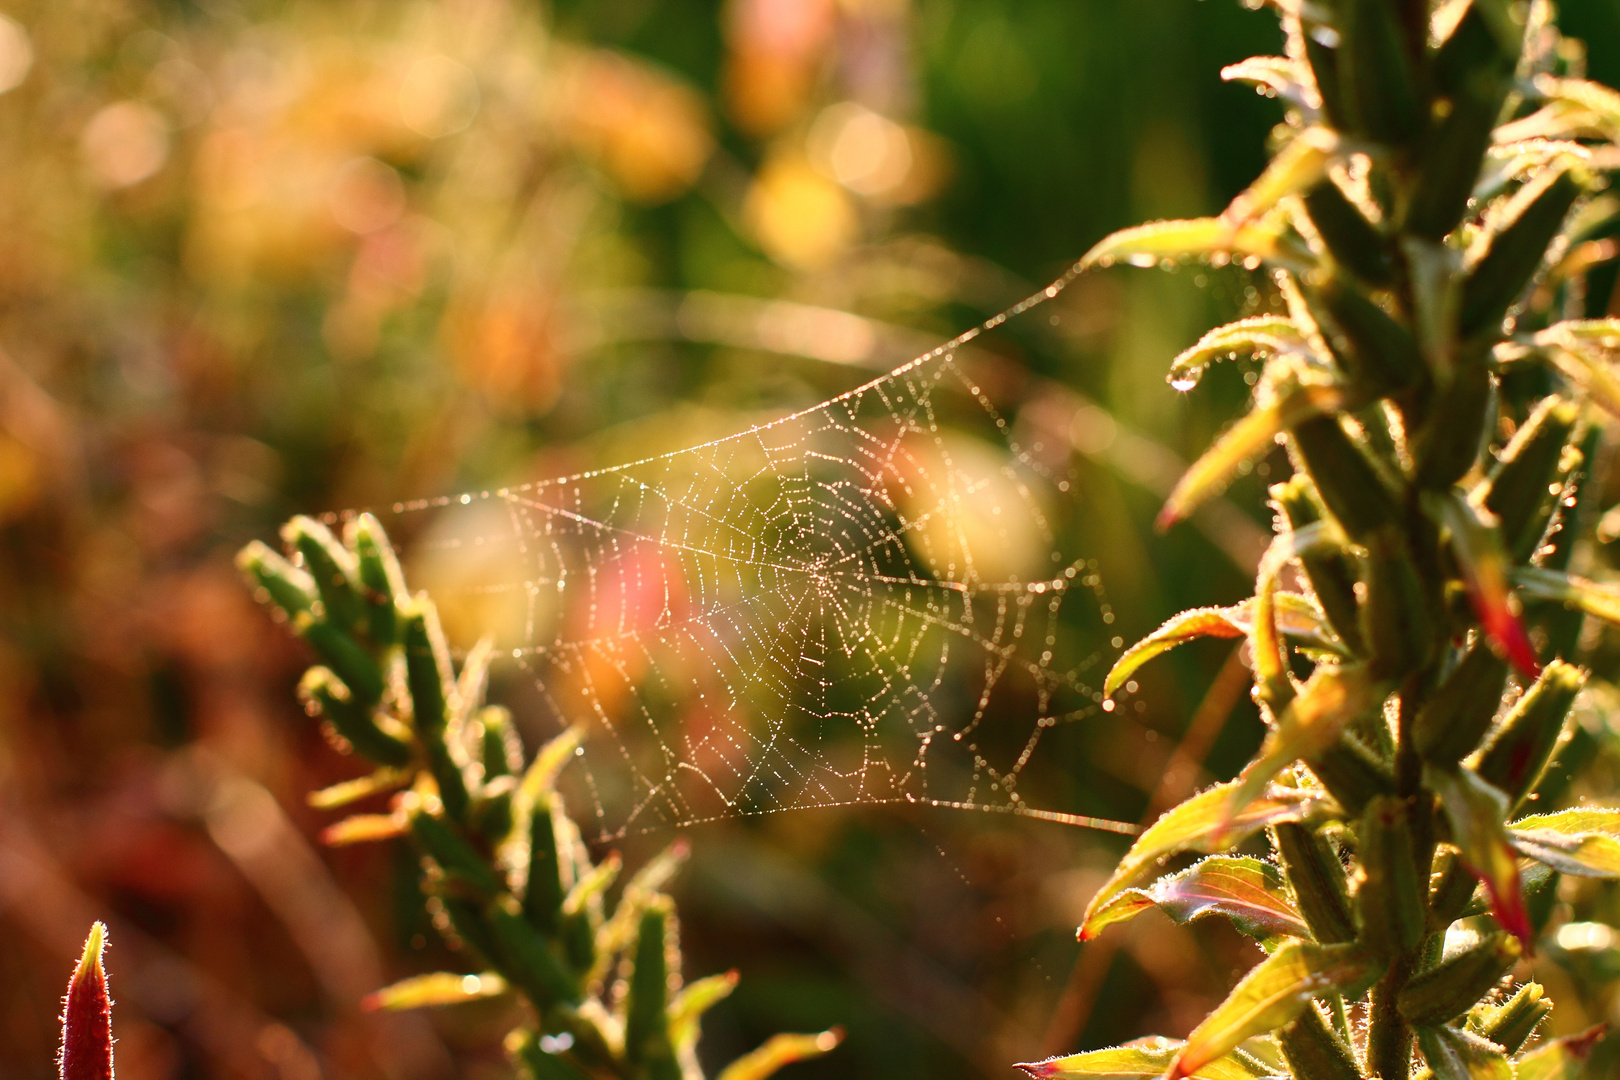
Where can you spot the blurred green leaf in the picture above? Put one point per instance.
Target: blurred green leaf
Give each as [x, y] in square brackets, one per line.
[438, 988]
[780, 1050]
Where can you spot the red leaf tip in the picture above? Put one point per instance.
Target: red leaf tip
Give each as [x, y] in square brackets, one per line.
[87, 1052]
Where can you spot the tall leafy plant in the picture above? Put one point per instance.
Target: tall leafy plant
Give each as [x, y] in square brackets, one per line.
[1438, 389]
[508, 879]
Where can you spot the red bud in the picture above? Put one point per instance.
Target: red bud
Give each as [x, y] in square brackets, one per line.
[87, 1052]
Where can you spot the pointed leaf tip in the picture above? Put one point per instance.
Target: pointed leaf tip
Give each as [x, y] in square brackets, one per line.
[87, 1052]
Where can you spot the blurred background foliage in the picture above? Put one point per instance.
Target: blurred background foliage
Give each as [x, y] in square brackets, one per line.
[259, 258]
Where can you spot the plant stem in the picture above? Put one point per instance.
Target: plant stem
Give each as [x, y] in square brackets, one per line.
[1389, 1040]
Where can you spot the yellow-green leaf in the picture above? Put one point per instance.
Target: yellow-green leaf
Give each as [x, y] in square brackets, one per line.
[1594, 598]
[1261, 334]
[362, 787]
[1283, 76]
[1199, 824]
[1560, 1059]
[694, 999]
[1241, 442]
[1148, 245]
[1298, 166]
[1334, 696]
[439, 988]
[1248, 892]
[1584, 841]
[780, 1050]
[1179, 629]
[1144, 1059]
[1271, 995]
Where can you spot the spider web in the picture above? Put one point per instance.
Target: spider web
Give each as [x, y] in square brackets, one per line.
[864, 602]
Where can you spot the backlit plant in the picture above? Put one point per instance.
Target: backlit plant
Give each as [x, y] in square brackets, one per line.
[1426, 222]
[508, 878]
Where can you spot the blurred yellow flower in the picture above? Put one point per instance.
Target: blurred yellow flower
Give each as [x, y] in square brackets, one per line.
[798, 216]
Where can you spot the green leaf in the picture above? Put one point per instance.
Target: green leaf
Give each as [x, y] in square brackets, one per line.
[1512, 255]
[780, 1050]
[1476, 811]
[1598, 599]
[1249, 892]
[1271, 995]
[1261, 334]
[1148, 245]
[1584, 842]
[1200, 824]
[1144, 1059]
[1333, 696]
[1560, 1059]
[1444, 992]
[1455, 1054]
[1244, 440]
[439, 988]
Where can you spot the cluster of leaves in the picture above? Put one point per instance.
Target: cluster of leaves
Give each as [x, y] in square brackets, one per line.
[507, 875]
[1426, 223]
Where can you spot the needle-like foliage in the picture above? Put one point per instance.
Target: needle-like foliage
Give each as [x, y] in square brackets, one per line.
[508, 878]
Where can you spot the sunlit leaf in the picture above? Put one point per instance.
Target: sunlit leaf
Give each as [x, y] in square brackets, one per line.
[1582, 96]
[1144, 1059]
[1182, 628]
[1240, 443]
[780, 1050]
[1248, 892]
[438, 988]
[1584, 841]
[1298, 619]
[694, 999]
[1476, 811]
[363, 787]
[1271, 995]
[1298, 166]
[1216, 238]
[364, 828]
[1199, 825]
[1594, 598]
[1263, 333]
[1584, 367]
[1333, 697]
[1282, 76]
[1484, 561]
[1455, 1054]
[1560, 1059]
